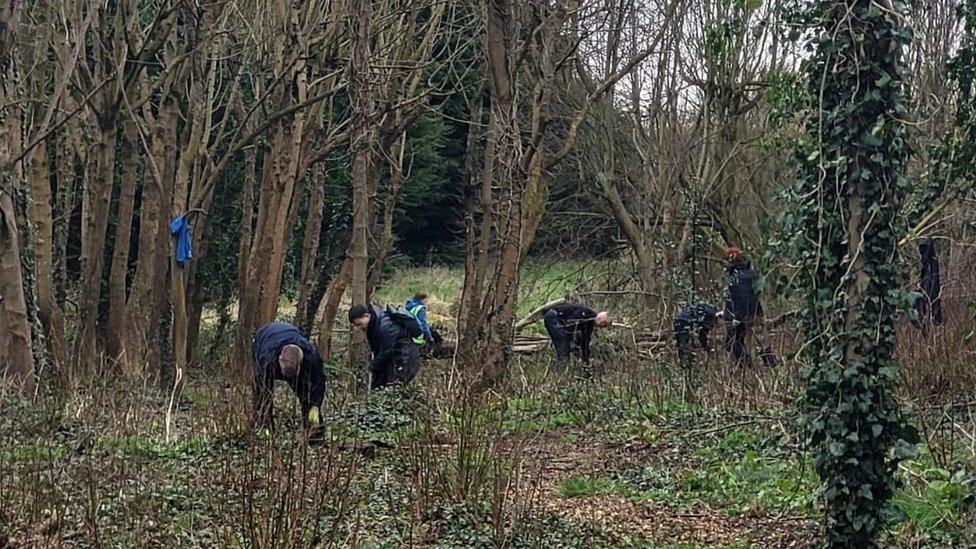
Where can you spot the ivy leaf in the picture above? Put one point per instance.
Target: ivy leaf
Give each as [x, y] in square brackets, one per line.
[904, 450]
[836, 449]
[759, 284]
[868, 139]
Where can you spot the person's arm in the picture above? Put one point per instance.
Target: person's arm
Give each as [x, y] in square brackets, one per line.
[387, 337]
[317, 369]
[314, 392]
[422, 317]
[585, 333]
[383, 357]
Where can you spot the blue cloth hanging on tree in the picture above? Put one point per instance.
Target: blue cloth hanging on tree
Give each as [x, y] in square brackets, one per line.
[180, 229]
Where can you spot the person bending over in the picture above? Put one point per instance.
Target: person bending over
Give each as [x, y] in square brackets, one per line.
[396, 358]
[281, 352]
[571, 324]
[696, 320]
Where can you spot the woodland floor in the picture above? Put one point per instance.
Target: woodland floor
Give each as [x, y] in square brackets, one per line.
[575, 461]
[623, 455]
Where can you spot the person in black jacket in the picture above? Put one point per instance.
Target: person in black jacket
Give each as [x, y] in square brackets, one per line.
[281, 352]
[396, 358]
[697, 320]
[929, 304]
[570, 324]
[742, 308]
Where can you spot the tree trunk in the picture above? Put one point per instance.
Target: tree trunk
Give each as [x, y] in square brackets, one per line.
[330, 308]
[16, 357]
[386, 237]
[118, 317]
[149, 285]
[41, 218]
[177, 274]
[257, 284]
[159, 352]
[70, 154]
[253, 284]
[479, 236]
[247, 218]
[307, 320]
[93, 245]
[15, 333]
[361, 149]
[485, 347]
[310, 245]
[9, 14]
[635, 237]
[277, 209]
[194, 292]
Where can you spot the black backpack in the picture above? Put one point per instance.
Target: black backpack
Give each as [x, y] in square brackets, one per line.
[402, 317]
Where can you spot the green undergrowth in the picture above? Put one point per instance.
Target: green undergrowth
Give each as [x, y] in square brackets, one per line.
[935, 505]
[97, 468]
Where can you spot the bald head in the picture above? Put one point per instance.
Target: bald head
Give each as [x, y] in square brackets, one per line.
[290, 359]
[602, 320]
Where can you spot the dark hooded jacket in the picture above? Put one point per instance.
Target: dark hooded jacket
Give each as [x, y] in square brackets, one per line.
[268, 341]
[383, 333]
[930, 283]
[578, 322]
[742, 303]
[698, 319]
[930, 279]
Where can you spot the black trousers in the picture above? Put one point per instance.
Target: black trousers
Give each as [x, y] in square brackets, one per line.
[403, 368]
[560, 338]
[682, 339]
[929, 310]
[736, 336]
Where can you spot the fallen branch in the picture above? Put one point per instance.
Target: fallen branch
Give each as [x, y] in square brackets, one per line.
[725, 427]
[537, 314]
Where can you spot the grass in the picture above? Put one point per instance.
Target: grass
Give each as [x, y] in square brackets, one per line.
[586, 486]
[541, 282]
[441, 284]
[934, 503]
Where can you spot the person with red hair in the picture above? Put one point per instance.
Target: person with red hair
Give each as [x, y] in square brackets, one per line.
[733, 254]
[742, 308]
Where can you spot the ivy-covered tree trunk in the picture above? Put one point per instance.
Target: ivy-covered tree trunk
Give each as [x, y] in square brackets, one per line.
[852, 186]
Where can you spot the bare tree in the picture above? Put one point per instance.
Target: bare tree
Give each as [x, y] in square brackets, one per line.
[15, 334]
[515, 170]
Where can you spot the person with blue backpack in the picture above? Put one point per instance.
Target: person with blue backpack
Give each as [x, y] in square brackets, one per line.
[417, 306]
[390, 333]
